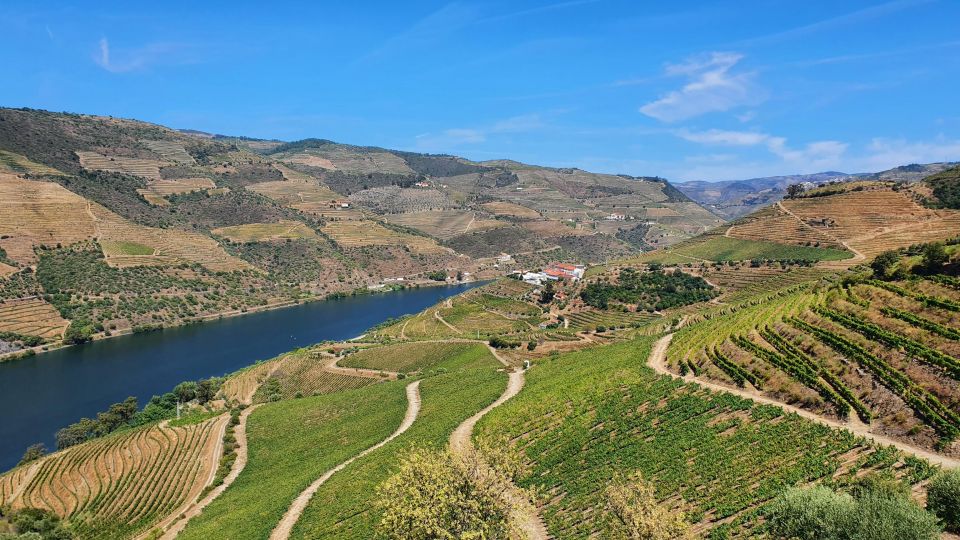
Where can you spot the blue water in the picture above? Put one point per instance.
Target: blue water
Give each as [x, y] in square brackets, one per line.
[42, 394]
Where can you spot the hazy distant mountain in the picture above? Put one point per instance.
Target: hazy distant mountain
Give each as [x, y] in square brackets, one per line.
[731, 199]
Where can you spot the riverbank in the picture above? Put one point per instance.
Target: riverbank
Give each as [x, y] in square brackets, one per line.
[29, 352]
[57, 388]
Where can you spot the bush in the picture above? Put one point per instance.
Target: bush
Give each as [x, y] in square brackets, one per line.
[34, 452]
[875, 513]
[438, 494]
[943, 499]
[634, 513]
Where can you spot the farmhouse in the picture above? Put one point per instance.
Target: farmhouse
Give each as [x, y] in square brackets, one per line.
[339, 204]
[573, 272]
[616, 216]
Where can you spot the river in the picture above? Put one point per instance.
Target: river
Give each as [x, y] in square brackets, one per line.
[44, 393]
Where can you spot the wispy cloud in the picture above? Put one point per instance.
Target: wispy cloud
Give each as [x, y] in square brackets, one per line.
[449, 139]
[817, 154]
[831, 23]
[127, 60]
[712, 87]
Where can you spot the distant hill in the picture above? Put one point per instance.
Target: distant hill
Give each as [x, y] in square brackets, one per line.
[731, 199]
[111, 225]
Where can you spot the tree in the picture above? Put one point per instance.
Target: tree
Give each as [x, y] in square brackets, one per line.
[78, 332]
[934, 257]
[635, 514]
[882, 264]
[548, 293]
[943, 499]
[794, 190]
[439, 494]
[185, 391]
[207, 389]
[34, 452]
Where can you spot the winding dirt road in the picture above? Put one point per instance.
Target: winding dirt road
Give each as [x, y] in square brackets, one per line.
[177, 521]
[658, 361]
[290, 518]
[460, 442]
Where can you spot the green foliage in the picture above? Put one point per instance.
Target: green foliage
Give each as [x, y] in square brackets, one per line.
[946, 187]
[291, 443]
[35, 524]
[420, 357]
[884, 262]
[585, 417]
[33, 453]
[438, 275]
[934, 257]
[653, 290]
[721, 248]
[943, 499]
[344, 506]
[872, 513]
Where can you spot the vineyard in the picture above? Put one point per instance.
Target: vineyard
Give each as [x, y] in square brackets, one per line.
[344, 506]
[743, 281]
[776, 225]
[31, 317]
[370, 233]
[395, 200]
[170, 151]
[119, 485]
[886, 351]
[291, 443]
[240, 387]
[592, 319]
[509, 209]
[443, 224]
[266, 232]
[717, 248]
[297, 190]
[585, 418]
[157, 191]
[301, 374]
[418, 357]
[144, 168]
[170, 246]
[39, 213]
[18, 164]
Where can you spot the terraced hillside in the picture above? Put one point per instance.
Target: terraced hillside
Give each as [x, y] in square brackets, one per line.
[122, 484]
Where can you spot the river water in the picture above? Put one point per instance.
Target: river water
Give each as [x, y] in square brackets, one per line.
[42, 394]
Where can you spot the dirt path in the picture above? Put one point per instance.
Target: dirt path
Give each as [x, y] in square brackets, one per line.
[857, 256]
[403, 329]
[285, 527]
[177, 521]
[330, 366]
[436, 314]
[658, 361]
[460, 442]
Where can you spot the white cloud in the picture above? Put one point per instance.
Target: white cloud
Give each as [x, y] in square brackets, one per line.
[817, 154]
[125, 61]
[712, 87]
[885, 153]
[446, 140]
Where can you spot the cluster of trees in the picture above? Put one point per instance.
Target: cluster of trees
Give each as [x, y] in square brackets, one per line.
[34, 524]
[498, 342]
[438, 275]
[126, 413]
[934, 260]
[875, 508]
[653, 290]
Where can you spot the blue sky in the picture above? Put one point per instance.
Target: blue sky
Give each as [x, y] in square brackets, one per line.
[704, 90]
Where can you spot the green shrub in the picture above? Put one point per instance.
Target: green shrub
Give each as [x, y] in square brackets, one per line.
[943, 499]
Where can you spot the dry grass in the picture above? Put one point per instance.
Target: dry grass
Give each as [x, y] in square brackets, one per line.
[265, 232]
[17, 164]
[6, 270]
[348, 159]
[144, 168]
[298, 190]
[504, 208]
[369, 233]
[241, 386]
[170, 151]
[444, 224]
[312, 161]
[775, 225]
[32, 317]
[156, 192]
[170, 246]
[39, 213]
[552, 228]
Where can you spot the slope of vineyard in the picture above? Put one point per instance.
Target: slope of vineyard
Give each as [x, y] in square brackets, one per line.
[586, 418]
[157, 190]
[417, 356]
[303, 373]
[144, 168]
[40, 213]
[31, 317]
[119, 485]
[291, 443]
[370, 233]
[265, 232]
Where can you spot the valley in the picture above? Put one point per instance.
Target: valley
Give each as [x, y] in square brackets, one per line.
[545, 334]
